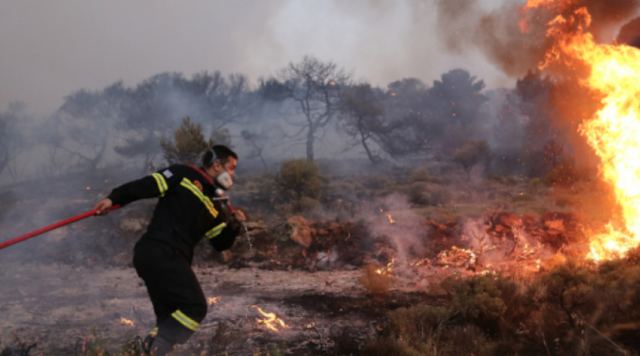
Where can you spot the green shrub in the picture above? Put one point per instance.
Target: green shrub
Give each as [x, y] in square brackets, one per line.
[300, 184]
[483, 300]
[420, 326]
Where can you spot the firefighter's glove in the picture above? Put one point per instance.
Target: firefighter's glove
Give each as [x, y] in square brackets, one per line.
[234, 225]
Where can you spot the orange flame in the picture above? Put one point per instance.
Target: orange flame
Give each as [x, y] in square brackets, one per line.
[213, 300]
[614, 130]
[270, 320]
[388, 269]
[127, 322]
[390, 219]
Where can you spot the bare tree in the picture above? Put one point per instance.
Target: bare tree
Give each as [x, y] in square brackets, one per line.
[85, 123]
[257, 141]
[314, 86]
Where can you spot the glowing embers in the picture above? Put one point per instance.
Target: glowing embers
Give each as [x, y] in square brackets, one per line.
[213, 300]
[270, 320]
[390, 219]
[127, 322]
[457, 257]
[387, 270]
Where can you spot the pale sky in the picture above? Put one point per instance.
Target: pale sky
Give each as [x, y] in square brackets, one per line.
[49, 49]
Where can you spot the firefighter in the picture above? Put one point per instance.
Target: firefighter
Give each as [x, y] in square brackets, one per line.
[192, 204]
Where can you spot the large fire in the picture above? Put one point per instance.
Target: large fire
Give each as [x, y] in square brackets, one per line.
[613, 132]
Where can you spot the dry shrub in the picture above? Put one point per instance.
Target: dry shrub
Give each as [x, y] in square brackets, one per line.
[380, 184]
[421, 325]
[428, 194]
[375, 283]
[421, 175]
[389, 347]
[572, 309]
[564, 173]
[19, 348]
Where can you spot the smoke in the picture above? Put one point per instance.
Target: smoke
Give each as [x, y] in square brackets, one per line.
[395, 221]
[513, 40]
[630, 33]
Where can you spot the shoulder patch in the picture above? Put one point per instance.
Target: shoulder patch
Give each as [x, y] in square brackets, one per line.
[167, 173]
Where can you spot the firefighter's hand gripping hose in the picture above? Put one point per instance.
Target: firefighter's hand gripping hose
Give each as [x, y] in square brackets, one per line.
[42, 230]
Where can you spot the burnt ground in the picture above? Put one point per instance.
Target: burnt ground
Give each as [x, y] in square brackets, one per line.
[72, 310]
[66, 293]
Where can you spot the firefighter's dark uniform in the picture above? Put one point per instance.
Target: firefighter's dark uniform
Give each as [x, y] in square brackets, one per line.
[184, 214]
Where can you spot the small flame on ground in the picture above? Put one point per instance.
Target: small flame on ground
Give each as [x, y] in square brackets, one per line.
[388, 269]
[127, 322]
[390, 219]
[213, 300]
[270, 320]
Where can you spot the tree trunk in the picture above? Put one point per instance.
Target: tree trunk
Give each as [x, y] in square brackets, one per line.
[363, 139]
[310, 139]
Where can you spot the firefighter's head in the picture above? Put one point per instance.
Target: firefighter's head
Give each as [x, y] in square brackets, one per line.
[220, 163]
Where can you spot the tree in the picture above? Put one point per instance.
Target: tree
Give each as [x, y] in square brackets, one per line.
[314, 86]
[362, 115]
[85, 122]
[152, 108]
[470, 154]
[456, 100]
[187, 145]
[10, 139]
[257, 142]
[407, 118]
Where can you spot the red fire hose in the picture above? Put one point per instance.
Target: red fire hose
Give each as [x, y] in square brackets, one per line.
[53, 226]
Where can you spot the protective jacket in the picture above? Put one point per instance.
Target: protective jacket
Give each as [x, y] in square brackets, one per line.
[187, 209]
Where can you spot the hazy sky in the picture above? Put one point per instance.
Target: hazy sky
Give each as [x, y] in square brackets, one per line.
[49, 49]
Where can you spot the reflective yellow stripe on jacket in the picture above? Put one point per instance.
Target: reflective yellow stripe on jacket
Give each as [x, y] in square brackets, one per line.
[162, 183]
[215, 231]
[183, 319]
[203, 198]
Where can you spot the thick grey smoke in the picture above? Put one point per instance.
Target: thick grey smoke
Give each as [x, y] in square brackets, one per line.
[52, 49]
[515, 40]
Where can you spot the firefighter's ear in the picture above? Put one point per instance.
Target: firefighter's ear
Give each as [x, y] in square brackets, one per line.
[217, 165]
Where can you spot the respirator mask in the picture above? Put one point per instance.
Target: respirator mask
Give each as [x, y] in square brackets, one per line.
[224, 180]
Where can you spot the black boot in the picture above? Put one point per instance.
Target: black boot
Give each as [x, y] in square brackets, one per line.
[161, 347]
